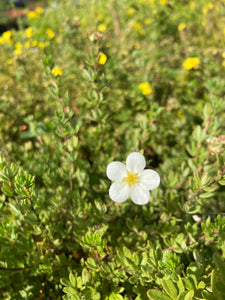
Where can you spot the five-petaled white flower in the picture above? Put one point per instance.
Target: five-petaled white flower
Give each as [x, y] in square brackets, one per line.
[131, 179]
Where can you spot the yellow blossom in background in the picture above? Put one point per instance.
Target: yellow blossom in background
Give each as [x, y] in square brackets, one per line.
[137, 25]
[50, 33]
[41, 45]
[100, 17]
[102, 58]
[7, 35]
[102, 27]
[27, 45]
[223, 54]
[9, 61]
[191, 63]
[192, 5]
[145, 88]
[163, 2]
[148, 21]
[34, 43]
[32, 15]
[29, 32]
[2, 42]
[137, 46]
[56, 71]
[181, 26]
[130, 11]
[39, 10]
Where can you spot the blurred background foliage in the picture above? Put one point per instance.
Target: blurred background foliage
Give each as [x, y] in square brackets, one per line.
[83, 84]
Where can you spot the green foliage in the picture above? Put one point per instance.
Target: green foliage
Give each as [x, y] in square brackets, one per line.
[66, 111]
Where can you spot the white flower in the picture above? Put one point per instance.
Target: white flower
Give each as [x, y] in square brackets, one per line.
[131, 179]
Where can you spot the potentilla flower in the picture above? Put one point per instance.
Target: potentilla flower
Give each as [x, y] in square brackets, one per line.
[191, 63]
[131, 180]
[102, 58]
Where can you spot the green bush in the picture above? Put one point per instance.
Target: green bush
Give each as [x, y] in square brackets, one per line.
[84, 84]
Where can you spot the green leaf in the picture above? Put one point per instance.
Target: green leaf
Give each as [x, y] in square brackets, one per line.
[73, 280]
[71, 291]
[206, 195]
[220, 264]
[157, 295]
[7, 190]
[170, 288]
[114, 296]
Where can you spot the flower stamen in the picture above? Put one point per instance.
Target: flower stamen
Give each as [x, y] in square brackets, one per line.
[131, 178]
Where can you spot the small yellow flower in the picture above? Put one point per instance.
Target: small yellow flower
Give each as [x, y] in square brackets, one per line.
[181, 26]
[102, 27]
[2, 42]
[137, 25]
[50, 33]
[102, 58]
[29, 32]
[34, 43]
[7, 35]
[41, 45]
[100, 17]
[191, 63]
[148, 21]
[131, 11]
[56, 71]
[163, 2]
[137, 45]
[145, 88]
[39, 10]
[18, 46]
[27, 45]
[9, 61]
[32, 15]
[17, 51]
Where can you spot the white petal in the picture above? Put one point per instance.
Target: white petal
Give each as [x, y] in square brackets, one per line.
[149, 178]
[135, 162]
[119, 191]
[116, 171]
[139, 194]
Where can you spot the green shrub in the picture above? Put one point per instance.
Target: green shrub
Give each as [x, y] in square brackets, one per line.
[85, 84]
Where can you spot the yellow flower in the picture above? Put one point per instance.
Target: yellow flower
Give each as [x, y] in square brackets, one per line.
[148, 21]
[27, 45]
[137, 45]
[2, 42]
[29, 32]
[7, 34]
[18, 46]
[102, 58]
[9, 61]
[137, 25]
[56, 71]
[181, 26]
[39, 10]
[145, 88]
[41, 45]
[100, 17]
[32, 15]
[102, 27]
[34, 43]
[191, 63]
[130, 11]
[50, 33]
[17, 51]
[163, 2]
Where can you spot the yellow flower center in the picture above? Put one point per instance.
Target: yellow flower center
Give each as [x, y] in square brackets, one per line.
[131, 179]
